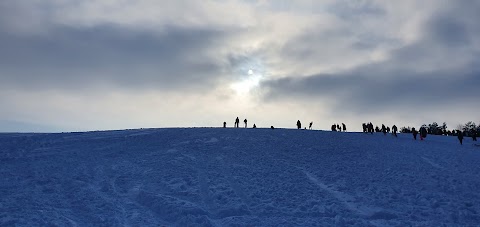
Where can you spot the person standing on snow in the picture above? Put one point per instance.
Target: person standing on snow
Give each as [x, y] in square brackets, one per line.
[237, 121]
[394, 130]
[474, 134]
[414, 132]
[224, 124]
[334, 128]
[299, 125]
[423, 133]
[344, 127]
[460, 136]
[310, 126]
[245, 121]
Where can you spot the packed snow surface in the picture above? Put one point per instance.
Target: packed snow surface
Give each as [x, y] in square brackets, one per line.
[237, 177]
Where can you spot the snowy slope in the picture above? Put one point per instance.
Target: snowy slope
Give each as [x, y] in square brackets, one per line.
[237, 177]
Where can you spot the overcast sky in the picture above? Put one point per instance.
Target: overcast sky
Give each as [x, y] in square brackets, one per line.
[68, 65]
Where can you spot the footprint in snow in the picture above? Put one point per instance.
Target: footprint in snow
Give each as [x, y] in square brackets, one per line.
[212, 140]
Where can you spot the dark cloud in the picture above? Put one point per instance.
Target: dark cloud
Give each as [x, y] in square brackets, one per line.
[455, 25]
[314, 44]
[67, 57]
[364, 91]
[439, 69]
[449, 31]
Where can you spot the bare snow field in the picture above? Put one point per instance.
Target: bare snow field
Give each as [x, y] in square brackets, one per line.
[237, 177]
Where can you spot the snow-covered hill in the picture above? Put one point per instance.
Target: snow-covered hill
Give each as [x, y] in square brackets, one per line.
[237, 177]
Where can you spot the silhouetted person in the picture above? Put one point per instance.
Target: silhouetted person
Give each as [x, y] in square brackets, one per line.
[423, 133]
[394, 130]
[310, 126]
[245, 122]
[237, 121]
[460, 137]
[384, 129]
[224, 124]
[388, 129]
[299, 125]
[344, 127]
[364, 126]
[254, 126]
[474, 135]
[414, 132]
[338, 128]
[370, 128]
[334, 128]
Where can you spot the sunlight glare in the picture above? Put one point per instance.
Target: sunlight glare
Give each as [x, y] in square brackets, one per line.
[244, 86]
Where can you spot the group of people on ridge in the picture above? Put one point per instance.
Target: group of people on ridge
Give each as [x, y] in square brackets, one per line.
[237, 122]
[473, 134]
[336, 127]
[423, 133]
[368, 128]
[299, 125]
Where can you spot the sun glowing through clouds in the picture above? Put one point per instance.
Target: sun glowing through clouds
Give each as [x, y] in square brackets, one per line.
[244, 86]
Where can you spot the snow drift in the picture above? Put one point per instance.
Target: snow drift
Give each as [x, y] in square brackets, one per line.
[236, 177]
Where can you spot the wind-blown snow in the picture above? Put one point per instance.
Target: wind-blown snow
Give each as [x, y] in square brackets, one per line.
[237, 177]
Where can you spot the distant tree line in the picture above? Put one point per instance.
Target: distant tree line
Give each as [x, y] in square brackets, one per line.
[435, 129]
